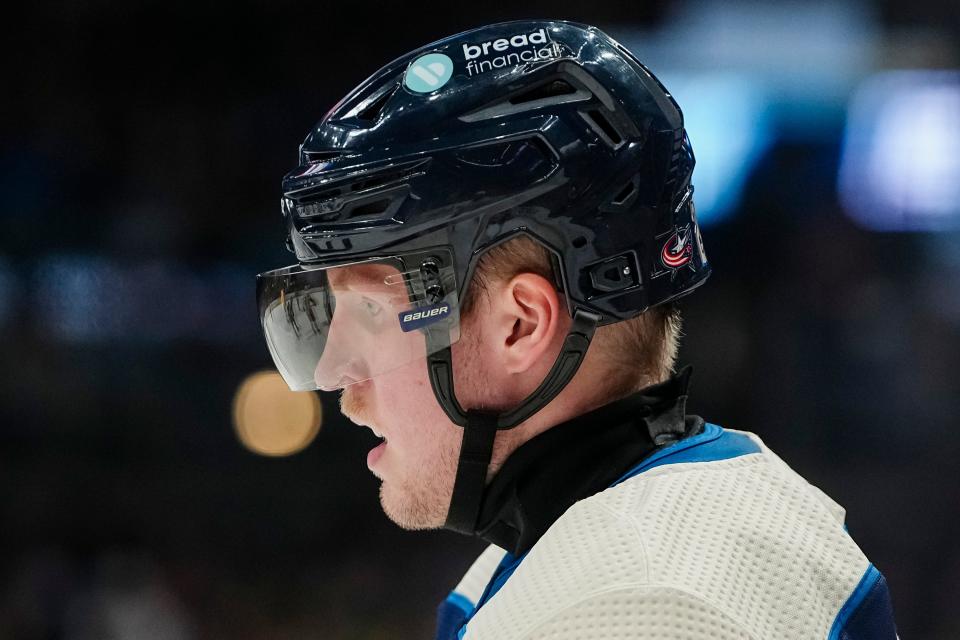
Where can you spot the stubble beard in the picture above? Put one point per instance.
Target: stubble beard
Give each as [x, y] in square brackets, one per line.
[354, 406]
[420, 498]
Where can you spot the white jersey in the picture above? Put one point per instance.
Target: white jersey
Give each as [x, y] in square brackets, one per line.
[714, 537]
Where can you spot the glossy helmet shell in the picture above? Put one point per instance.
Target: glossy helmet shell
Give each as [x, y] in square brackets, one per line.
[545, 128]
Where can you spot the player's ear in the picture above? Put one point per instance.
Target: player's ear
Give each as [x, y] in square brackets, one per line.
[528, 321]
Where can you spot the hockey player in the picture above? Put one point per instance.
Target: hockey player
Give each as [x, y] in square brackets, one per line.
[491, 232]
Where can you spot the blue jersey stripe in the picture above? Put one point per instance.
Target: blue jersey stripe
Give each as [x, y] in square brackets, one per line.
[867, 614]
[859, 593]
[461, 602]
[465, 609]
[712, 444]
[451, 615]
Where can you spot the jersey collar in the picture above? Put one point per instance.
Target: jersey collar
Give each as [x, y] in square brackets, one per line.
[576, 459]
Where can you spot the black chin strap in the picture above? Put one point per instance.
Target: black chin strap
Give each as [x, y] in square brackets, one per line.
[475, 450]
[480, 428]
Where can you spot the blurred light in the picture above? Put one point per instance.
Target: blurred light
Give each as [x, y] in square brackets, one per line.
[272, 420]
[900, 167]
[745, 73]
[727, 119]
[92, 299]
[79, 298]
[807, 56]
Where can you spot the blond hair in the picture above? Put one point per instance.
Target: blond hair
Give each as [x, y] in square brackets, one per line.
[638, 352]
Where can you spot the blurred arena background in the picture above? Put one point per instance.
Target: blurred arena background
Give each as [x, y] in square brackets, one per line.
[141, 150]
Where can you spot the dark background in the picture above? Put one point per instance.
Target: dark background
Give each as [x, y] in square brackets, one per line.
[141, 149]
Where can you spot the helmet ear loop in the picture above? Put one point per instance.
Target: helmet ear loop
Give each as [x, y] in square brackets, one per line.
[480, 428]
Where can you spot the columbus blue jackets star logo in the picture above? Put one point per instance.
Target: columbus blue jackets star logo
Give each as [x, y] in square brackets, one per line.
[676, 251]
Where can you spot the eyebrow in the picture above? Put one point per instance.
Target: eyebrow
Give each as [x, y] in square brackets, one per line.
[354, 275]
[359, 278]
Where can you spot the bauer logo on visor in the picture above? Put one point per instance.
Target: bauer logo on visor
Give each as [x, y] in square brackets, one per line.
[410, 320]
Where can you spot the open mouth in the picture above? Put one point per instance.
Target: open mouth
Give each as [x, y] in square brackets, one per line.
[377, 451]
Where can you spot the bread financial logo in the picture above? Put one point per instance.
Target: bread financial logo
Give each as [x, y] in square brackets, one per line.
[428, 73]
[518, 48]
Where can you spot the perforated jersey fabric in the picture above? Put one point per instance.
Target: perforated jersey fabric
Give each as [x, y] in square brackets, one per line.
[741, 547]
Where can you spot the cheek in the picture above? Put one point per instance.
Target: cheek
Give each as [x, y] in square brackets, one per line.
[410, 414]
[468, 369]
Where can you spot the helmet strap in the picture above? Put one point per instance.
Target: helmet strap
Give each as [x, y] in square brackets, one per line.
[480, 428]
[475, 451]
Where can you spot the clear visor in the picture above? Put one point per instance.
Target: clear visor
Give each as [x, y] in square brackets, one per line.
[329, 327]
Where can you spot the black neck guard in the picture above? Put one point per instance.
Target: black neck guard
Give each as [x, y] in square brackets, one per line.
[578, 458]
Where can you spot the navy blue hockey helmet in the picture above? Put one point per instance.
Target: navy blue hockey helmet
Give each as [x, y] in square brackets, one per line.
[545, 128]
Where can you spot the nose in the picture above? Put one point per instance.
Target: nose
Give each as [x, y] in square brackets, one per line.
[331, 384]
[336, 370]
[341, 363]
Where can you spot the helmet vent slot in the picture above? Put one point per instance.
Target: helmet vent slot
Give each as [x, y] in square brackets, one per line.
[369, 209]
[677, 159]
[360, 182]
[625, 197]
[321, 156]
[372, 111]
[549, 93]
[596, 119]
[371, 197]
[624, 194]
[351, 212]
[371, 108]
[551, 89]
[503, 154]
